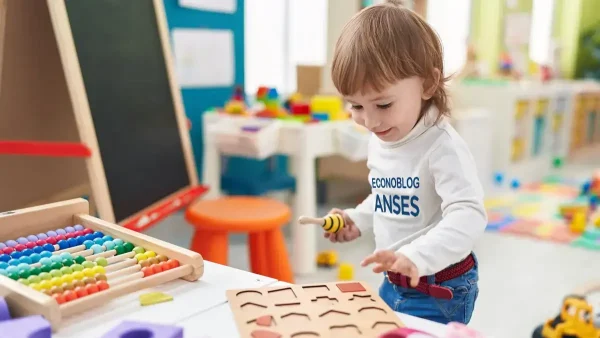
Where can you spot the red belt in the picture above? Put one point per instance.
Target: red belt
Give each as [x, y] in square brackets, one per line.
[435, 290]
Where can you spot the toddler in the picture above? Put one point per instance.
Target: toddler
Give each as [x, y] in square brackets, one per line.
[426, 203]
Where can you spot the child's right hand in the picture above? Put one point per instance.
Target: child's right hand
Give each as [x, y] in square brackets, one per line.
[350, 231]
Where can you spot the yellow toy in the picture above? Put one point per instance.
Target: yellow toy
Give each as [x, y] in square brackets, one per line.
[327, 259]
[346, 272]
[575, 320]
[579, 222]
[295, 98]
[235, 107]
[568, 210]
[331, 223]
[330, 105]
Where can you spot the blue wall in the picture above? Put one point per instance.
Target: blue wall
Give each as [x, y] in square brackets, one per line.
[198, 100]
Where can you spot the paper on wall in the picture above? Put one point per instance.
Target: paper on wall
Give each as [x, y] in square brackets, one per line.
[204, 57]
[511, 4]
[225, 6]
[516, 29]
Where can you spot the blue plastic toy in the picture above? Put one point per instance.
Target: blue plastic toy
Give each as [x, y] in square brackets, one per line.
[585, 188]
[273, 94]
[515, 183]
[498, 178]
[143, 329]
[593, 201]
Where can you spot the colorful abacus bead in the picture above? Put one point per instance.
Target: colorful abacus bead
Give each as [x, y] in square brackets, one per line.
[69, 263]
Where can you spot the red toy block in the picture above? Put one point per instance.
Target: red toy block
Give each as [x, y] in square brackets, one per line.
[300, 109]
[262, 92]
[351, 287]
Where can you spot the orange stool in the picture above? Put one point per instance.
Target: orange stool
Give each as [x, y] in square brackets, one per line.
[260, 218]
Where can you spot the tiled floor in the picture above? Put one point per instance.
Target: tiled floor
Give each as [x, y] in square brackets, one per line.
[522, 281]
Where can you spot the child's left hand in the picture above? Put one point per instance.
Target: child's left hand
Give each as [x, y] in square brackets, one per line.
[387, 260]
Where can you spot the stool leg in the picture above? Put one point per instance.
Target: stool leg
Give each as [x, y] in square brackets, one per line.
[258, 253]
[213, 246]
[278, 259]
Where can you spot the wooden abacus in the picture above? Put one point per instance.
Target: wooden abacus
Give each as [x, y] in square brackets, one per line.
[77, 262]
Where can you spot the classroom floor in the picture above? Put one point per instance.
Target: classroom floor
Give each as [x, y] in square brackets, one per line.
[522, 281]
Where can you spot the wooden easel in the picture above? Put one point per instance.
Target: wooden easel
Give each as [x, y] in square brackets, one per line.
[35, 106]
[2, 25]
[43, 98]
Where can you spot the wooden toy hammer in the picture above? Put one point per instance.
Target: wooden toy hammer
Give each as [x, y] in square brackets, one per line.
[331, 223]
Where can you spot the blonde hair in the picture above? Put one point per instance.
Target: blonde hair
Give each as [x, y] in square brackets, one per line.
[385, 43]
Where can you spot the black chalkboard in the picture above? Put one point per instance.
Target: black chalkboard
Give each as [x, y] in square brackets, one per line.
[126, 80]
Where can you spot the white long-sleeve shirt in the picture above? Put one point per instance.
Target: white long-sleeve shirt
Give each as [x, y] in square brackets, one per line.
[426, 200]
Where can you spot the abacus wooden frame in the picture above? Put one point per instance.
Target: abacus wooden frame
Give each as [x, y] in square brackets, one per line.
[24, 301]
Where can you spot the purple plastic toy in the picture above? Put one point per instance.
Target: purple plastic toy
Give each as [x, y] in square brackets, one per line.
[131, 329]
[4, 312]
[26, 327]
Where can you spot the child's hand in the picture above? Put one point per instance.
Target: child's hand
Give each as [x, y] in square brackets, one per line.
[387, 260]
[349, 233]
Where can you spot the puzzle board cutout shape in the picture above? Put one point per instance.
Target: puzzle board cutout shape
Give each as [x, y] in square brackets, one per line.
[326, 310]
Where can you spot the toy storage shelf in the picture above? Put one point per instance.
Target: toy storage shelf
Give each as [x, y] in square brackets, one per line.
[534, 123]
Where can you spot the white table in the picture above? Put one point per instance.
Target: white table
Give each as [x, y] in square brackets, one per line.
[303, 143]
[200, 307]
[219, 322]
[203, 324]
[189, 300]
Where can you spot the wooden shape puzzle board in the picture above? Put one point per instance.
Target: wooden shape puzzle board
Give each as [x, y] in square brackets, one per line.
[348, 309]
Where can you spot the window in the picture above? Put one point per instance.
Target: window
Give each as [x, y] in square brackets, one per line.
[264, 44]
[540, 40]
[451, 20]
[280, 35]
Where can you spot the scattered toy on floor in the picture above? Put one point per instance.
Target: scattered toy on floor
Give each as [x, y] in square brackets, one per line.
[327, 259]
[515, 183]
[152, 298]
[557, 162]
[568, 210]
[498, 178]
[346, 272]
[593, 202]
[578, 223]
[144, 329]
[331, 223]
[574, 320]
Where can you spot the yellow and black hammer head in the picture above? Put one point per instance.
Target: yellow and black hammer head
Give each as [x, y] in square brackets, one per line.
[333, 223]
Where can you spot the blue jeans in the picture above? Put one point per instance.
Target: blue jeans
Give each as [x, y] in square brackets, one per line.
[412, 302]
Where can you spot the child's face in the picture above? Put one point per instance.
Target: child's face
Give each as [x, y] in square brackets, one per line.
[392, 113]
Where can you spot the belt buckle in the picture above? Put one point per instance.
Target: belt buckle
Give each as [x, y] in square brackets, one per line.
[437, 291]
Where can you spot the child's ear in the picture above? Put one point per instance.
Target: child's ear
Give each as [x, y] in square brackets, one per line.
[430, 85]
